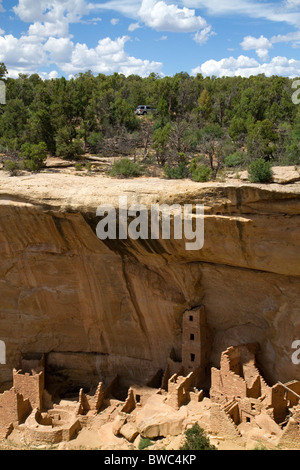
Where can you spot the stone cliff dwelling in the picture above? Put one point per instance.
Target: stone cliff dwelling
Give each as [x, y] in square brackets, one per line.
[112, 336]
[237, 406]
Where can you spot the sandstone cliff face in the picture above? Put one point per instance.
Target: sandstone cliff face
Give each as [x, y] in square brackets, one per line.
[99, 309]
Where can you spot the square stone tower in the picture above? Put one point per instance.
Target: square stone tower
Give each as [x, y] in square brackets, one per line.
[195, 342]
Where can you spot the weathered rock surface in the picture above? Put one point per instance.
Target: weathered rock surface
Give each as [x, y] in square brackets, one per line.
[159, 420]
[285, 174]
[100, 309]
[281, 174]
[266, 423]
[118, 423]
[129, 431]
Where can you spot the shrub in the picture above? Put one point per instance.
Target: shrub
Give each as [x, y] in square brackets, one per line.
[196, 439]
[8, 146]
[31, 165]
[78, 167]
[260, 447]
[176, 172]
[11, 167]
[94, 139]
[260, 171]
[68, 147]
[144, 443]
[291, 155]
[201, 173]
[33, 156]
[234, 160]
[126, 168]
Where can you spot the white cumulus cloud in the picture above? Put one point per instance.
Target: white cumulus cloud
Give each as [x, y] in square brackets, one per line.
[60, 49]
[245, 67]
[29, 54]
[261, 45]
[133, 26]
[163, 17]
[109, 56]
[51, 10]
[48, 43]
[292, 4]
[44, 30]
[21, 55]
[201, 37]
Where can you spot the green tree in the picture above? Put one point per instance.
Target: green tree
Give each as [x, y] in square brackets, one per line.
[123, 115]
[204, 104]
[41, 128]
[235, 159]
[160, 143]
[288, 149]
[211, 143]
[68, 145]
[34, 155]
[14, 121]
[94, 139]
[261, 140]
[238, 129]
[196, 439]
[260, 171]
[222, 116]
[3, 70]
[163, 113]
[167, 89]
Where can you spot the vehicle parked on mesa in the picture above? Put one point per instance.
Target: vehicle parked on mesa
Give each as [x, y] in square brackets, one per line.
[143, 109]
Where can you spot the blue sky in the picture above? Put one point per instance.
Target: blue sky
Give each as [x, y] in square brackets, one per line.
[212, 37]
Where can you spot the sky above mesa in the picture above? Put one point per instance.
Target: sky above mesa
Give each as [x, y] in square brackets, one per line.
[211, 37]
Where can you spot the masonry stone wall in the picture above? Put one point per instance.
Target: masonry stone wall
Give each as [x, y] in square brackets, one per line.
[221, 424]
[182, 390]
[291, 397]
[62, 431]
[279, 403]
[30, 386]
[226, 385]
[91, 402]
[130, 403]
[13, 410]
[238, 376]
[195, 341]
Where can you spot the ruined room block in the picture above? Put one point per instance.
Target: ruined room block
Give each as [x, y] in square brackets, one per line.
[13, 411]
[30, 386]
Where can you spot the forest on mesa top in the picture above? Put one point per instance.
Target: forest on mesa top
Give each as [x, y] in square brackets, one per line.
[226, 122]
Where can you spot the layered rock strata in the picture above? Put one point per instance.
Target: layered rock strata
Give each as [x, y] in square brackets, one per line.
[100, 309]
